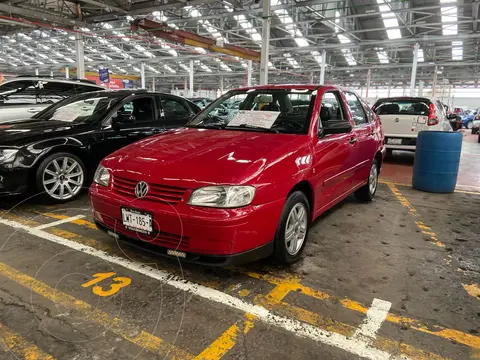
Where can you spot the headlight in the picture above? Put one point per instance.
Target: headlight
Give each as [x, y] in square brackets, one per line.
[222, 196]
[102, 176]
[7, 155]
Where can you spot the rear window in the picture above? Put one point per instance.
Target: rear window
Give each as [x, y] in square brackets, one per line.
[395, 107]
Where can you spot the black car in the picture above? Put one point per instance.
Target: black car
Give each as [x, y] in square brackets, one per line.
[56, 152]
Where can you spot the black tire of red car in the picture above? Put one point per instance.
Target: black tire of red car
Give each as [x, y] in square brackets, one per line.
[69, 174]
[367, 192]
[295, 200]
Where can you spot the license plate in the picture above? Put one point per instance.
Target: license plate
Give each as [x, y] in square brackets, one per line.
[137, 221]
[394, 141]
[176, 253]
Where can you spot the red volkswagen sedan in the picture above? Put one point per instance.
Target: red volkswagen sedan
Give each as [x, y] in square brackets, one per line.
[246, 177]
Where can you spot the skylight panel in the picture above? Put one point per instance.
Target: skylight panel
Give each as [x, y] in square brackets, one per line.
[382, 57]
[457, 50]
[420, 57]
[248, 27]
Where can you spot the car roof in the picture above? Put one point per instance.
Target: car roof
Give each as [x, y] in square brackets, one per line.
[49, 79]
[283, 86]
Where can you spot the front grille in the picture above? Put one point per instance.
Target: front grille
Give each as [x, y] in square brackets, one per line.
[161, 238]
[156, 192]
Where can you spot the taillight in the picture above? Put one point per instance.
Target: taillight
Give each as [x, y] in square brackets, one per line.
[432, 119]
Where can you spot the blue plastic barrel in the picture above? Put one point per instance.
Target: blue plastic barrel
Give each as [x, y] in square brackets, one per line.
[437, 157]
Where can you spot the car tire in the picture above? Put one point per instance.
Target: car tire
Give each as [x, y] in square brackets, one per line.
[474, 131]
[295, 219]
[469, 125]
[60, 177]
[367, 192]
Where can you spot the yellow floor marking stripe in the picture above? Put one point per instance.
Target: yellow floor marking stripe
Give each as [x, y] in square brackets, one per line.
[410, 186]
[20, 347]
[228, 339]
[315, 319]
[472, 290]
[113, 324]
[449, 334]
[425, 229]
[81, 222]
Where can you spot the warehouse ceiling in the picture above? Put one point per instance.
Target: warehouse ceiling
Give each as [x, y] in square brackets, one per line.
[355, 35]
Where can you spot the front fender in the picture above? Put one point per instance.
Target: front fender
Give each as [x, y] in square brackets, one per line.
[30, 155]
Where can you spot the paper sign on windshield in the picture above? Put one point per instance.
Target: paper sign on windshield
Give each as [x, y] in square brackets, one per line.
[263, 119]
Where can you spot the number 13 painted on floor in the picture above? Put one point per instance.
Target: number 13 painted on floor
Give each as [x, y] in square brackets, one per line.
[119, 282]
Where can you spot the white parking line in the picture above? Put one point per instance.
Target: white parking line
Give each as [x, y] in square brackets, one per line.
[352, 345]
[58, 222]
[374, 318]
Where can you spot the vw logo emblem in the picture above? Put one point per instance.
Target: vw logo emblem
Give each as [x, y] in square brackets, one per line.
[141, 189]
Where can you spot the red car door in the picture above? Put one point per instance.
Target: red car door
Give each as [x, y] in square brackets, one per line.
[364, 147]
[333, 159]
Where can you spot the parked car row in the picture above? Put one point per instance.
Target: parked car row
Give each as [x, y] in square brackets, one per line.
[240, 181]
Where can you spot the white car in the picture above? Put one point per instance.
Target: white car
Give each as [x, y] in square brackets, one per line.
[476, 124]
[404, 117]
[24, 96]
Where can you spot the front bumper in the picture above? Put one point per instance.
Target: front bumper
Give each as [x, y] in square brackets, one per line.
[13, 181]
[204, 235]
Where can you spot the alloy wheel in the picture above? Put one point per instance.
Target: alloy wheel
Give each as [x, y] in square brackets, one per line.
[296, 229]
[63, 178]
[373, 179]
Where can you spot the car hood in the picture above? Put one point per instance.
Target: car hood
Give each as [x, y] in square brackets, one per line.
[23, 132]
[197, 157]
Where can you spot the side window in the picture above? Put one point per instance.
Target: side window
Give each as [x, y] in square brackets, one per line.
[174, 108]
[356, 108]
[332, 111]
[141, 108]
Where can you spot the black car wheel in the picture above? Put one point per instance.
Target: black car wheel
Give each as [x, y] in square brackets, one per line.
[292, 231]
[60, 177]
[367, 192]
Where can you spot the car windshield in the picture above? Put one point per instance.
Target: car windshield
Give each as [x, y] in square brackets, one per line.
[407, 107]
[89, 107]
[285, 111]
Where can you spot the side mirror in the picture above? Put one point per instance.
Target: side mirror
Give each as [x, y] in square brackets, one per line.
[452, 116]
[338, 129]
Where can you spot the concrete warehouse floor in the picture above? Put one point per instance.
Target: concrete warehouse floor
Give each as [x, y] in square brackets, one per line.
[396, 277]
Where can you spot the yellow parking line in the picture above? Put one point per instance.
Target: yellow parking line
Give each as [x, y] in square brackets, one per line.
[381, 343]
[449, 334]
[114, 324]
[81, 222]
[472, 290]
[410, 186]
[425, 229]
[291, 283]
[228, 339]
[20, 347]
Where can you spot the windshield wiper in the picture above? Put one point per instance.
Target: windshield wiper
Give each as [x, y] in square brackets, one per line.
[253, 127]
[208, 126]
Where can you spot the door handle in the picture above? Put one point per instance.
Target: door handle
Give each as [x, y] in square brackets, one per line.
[352, 140]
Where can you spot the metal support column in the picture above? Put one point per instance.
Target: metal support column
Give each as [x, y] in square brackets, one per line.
[221, 85]
[249, 73]
[36, 72]
[80, 56]
[322, 67]
[185, 88]
[311, 78]
[388, 91]
[51, 74]
[264, 56]
[420, 88]
[434, 86]
[414, 69]
[153, 84]
[67, 72]
[142, 74]
[369, 76]
[191, 79]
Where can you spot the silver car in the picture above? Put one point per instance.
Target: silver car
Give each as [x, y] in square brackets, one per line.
[24, 96]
